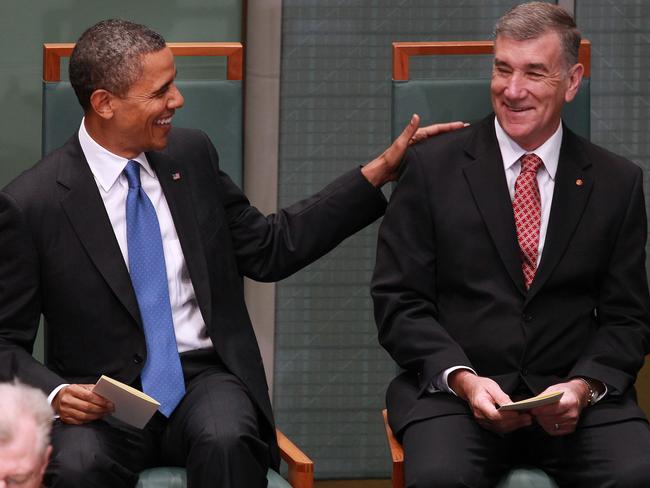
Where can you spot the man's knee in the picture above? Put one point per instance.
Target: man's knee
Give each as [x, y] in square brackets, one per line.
[230, 440]
[73, 467]
[80, 458]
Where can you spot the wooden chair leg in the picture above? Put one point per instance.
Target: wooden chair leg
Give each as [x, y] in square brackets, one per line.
[301, 468]
[396, 454]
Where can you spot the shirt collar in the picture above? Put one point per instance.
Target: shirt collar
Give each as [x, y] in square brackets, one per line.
[549, 152]
[106, 166]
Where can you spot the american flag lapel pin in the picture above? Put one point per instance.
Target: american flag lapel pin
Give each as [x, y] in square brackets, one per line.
[176, 176]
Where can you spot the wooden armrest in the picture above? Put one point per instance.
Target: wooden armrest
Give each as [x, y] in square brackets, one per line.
[396, 454]
[301, 468]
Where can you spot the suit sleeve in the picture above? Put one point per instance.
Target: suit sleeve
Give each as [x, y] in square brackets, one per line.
[20, 304]
[616, 351]
[404, 281]
[269, 248]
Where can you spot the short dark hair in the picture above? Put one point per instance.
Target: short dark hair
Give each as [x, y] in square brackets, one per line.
[108, 56]
[532, 20]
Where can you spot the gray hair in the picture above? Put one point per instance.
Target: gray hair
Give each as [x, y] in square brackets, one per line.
[108, 56]
[532, 20]
[19, 400]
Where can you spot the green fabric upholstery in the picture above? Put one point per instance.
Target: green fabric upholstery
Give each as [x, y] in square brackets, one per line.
[214, 106]
[176, 478]
[526, 478]
[467, 100]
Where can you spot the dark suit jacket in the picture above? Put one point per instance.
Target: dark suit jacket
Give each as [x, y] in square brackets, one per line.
[59, 257]
[448, 287]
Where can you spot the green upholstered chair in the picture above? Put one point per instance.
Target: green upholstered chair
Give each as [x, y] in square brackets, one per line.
[214, 106]
[467, 100]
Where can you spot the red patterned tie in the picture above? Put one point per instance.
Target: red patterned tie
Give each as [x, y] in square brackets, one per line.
[528, 210]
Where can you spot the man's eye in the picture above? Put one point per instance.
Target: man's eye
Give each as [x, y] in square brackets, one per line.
[535, 76]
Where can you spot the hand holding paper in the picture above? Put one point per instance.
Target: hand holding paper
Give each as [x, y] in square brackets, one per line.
[131, 406]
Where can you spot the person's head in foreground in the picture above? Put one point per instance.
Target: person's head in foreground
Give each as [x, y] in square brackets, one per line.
[25, 425]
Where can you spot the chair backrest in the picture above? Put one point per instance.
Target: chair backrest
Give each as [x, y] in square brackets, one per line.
[464, 99]
[215, 106]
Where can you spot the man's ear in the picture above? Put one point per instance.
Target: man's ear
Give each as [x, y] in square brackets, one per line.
[102, 103]
[575, 77]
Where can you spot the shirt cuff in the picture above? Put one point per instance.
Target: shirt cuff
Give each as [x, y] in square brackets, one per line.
[50, 397]
[440, 382]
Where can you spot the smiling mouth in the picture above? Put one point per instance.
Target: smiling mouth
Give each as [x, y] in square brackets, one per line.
[164, 122]
[517, 109]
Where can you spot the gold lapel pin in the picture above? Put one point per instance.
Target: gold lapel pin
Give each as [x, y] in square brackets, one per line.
[580, 182]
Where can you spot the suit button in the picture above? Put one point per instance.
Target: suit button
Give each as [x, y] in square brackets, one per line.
[137, 359]
[527, 317]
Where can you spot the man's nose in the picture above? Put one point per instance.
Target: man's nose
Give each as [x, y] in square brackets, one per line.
[515, 86]
[176, 100]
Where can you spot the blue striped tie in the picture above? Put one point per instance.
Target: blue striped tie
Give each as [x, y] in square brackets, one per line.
[162, 375]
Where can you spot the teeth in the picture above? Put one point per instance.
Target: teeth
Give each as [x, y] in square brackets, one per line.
[166, 121]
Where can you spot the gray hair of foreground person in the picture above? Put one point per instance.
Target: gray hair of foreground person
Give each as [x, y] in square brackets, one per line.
[18, 400]
[532, 20]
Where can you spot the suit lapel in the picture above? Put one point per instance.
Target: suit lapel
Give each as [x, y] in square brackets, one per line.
[174, 179]
[86, 212]
[486, 178]
[573, 185]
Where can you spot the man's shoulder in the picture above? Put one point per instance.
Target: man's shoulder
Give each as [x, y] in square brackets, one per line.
[455, 149]
[44, 171]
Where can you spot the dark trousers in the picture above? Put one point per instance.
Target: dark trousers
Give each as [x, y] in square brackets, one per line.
[214, 432]
[454, 451]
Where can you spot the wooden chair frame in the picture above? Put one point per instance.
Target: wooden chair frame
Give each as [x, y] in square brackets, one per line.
[233, 51]
[402, 51]
[301, 467]
[396, 454]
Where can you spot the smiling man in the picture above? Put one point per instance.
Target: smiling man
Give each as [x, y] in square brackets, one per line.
[132, 244]
[510, 263]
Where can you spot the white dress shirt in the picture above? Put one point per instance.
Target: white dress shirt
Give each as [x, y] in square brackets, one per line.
[107, 168]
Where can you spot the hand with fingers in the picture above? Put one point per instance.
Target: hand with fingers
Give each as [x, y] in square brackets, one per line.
[386, 166]
[433, 130]
[77, 404]
[484, 396]
[562, 417]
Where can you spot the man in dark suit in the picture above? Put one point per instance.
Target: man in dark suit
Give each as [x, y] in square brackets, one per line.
[511, 263]
[129, 240]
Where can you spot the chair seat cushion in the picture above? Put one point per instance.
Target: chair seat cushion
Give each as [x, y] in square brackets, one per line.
[526, 478]
[176, 478]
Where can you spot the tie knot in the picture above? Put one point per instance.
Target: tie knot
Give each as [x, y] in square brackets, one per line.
[530, 163]
[132, 173]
